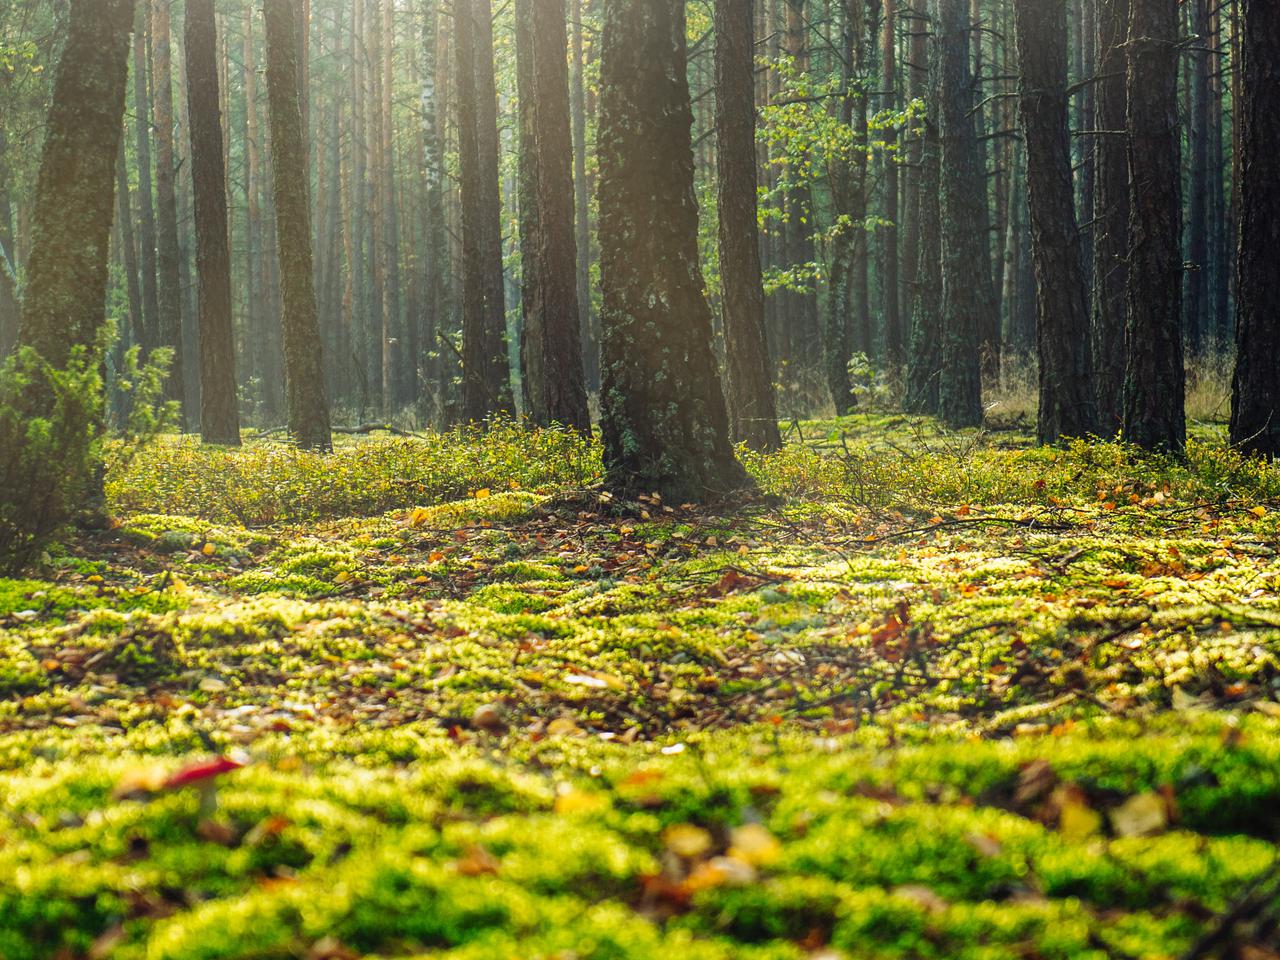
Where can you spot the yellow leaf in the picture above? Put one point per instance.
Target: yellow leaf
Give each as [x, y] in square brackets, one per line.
[581, 568]
[1259, 512]
[208, 549]
[435, 556]
[755, 845]
[571, 801]
[743, 550]
[562, 727]
[1077, 820]
[342, 577]
[483, 494]
[418, 516]
[1140, 816]
[687, 840]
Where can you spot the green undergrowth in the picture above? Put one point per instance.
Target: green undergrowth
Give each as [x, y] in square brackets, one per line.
[926, 696]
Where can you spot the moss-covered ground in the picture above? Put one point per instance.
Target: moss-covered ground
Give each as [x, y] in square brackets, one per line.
[926, 696]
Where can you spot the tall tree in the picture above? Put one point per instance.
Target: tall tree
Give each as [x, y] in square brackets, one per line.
[800, 308]
[1154, 380]
[1067, 407]
[168, 253]
[1110, 215]
[582, 200]
[664, 421]
[924, 353]
[968, 300]
[435, 229]
[308, 405]
[10, 305]
[891, 233]
[1196, 303]
[486, 383]
[219, 411]
[752, 408]
[1255, 404]
[129, 251]
[63, 306]
[146, 194]
[551, 345]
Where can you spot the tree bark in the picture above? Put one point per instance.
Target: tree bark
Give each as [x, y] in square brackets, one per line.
[664, 423]
[749, 374]
[63, 307]
[1154, 379]
[129, 251]
[590, 335]
[168, 254]
[308, 406]
[1110, 216]
[551, 344]
[219, 411]
[1067, 408]
[1197, 257]
[890, 234]
[146, 197]
[1255, 406]
[486, 383]
[968, 301]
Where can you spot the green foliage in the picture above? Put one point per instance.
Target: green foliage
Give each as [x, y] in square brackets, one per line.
[49, 425]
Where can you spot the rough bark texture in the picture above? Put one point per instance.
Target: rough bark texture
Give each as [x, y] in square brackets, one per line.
[551, 345]
[1154, 385]
[71, 225]
[10, 307]
[219, 413]
[1255, 407]
[306, 400]
[436, 234]
[1067, 406]
[664, 423]
[486, 383]
[968, 300]
[749, 374]
[890, 233]
[1196, 304]
[924, 354]
[168, 254]
[1110, 217]
[146, 195]
[582, 202]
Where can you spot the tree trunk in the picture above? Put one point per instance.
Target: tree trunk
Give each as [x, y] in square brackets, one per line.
[437, 240]
[664, 421]
[146, 197]
[924, 357]
[168, 253]
[1255, 406]
[968, 301]
[749, 374]
[10, 307]
[551, 345]
[890, 233]
[63, 307]
[1154, 379]
[486, 385]
[1110, 216]
[801, 311]
[1067, 407]
[129, 251]
[1197, 258]
[219, 412]
[308, 407]
[590, 335]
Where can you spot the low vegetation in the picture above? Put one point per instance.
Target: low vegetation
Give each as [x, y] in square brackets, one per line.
[927, 695]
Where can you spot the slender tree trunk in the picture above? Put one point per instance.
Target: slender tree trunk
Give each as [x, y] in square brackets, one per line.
[749, 376]
[308, 407]
[1197, 267]
[146, 199]
[890, 234]
[435, 228]
[1110, 216]
[1220, 246]
[10, 306]
[63, 306]
[128, 249]
[1067, 406]
[804, 332]
[1154, 378]
[967, 298]
[1255, 405]
[664, 421]
[924, 355]
[168, 254]
[219, 410]
[486, 384]
[590, 335]
[551, 343]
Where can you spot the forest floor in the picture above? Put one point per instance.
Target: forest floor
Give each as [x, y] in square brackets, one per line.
[929, 695]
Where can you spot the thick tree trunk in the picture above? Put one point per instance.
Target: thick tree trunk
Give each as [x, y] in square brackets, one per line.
[308, 406]
[1110, 216]
[1062, 330]
[219, 411]
[749, 374]
[664, 422]
[168, 253]
[71, 225]
[486, 384]
[968, 301]
[551, 344]
[1154, 380]
[1255, 407]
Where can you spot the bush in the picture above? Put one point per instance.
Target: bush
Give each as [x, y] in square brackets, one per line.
[49, 432]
